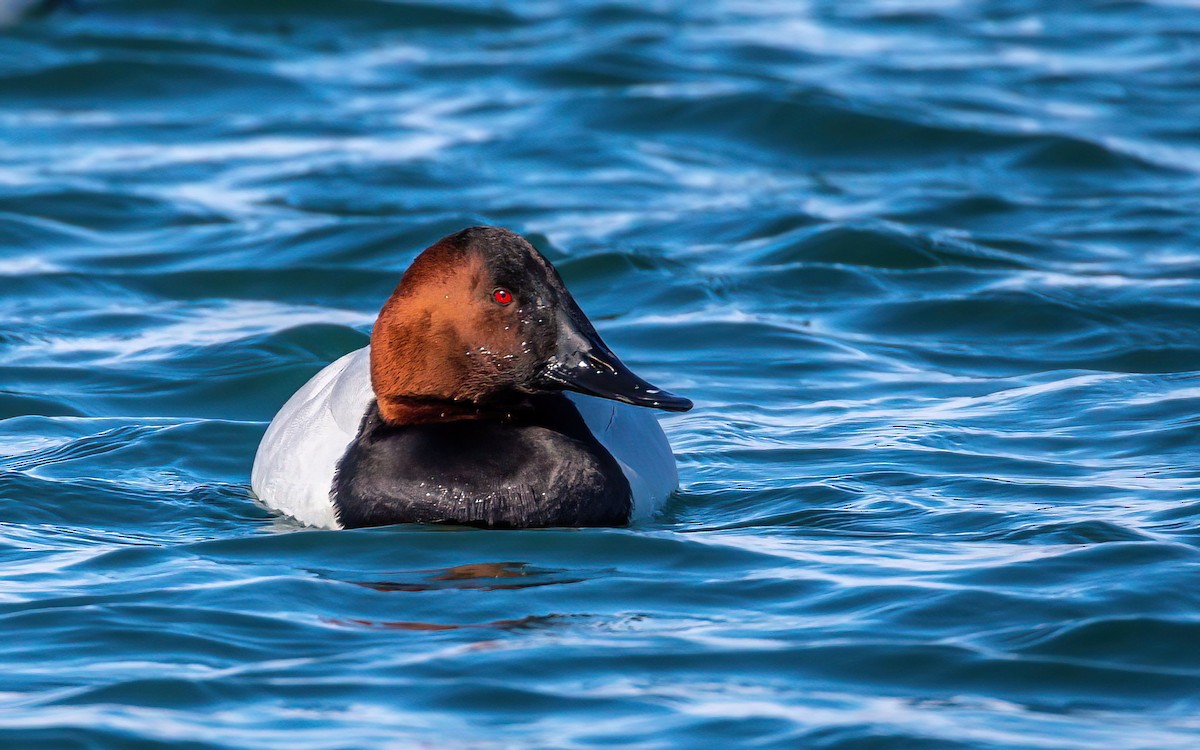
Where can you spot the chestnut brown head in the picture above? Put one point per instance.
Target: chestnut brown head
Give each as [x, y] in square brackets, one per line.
[480, 318]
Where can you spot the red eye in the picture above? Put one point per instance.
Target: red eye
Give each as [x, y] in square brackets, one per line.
[502, 296]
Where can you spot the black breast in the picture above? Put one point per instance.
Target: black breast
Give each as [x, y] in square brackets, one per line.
[543, 467]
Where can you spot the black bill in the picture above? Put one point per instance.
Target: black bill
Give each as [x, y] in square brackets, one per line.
[586, 365]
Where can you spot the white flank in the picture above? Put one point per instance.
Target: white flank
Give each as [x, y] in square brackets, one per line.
[293, 469]
[634, 437]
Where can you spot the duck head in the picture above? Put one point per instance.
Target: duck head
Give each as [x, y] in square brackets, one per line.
[479, 321]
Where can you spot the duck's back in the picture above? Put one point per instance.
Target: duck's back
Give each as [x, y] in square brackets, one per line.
[296, 462]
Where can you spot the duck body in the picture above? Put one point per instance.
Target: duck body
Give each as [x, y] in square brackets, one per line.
[329, 460]
[498, 438]
[539, 465]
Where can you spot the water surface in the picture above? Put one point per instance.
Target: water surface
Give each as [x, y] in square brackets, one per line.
[930, 271]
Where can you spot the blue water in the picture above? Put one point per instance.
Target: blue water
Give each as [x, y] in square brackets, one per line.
[930, 271]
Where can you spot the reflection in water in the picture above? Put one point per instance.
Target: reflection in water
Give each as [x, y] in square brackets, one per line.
[524, 623]
[478, 576]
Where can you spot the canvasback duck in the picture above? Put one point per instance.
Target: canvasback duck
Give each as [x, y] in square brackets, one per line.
[486, 398]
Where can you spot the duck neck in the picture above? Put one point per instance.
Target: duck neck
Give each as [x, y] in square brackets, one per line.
[416, 410]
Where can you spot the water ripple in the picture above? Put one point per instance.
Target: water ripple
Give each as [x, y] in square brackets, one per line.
[928, 269]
